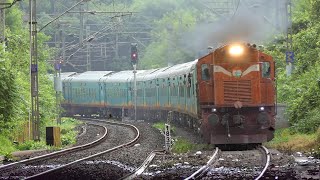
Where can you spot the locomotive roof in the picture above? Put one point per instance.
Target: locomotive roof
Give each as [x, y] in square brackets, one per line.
[92, 76]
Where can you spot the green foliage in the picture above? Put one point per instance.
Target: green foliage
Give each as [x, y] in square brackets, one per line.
[290, 141]
[310, 122]
[30, 145]
[161, 127]
[182, 145]
[168, 46]
[15, 77]
[68, 134]
[6, 147]
[300, 91]
[68, 138]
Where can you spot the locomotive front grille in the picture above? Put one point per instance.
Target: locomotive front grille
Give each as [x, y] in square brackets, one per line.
[237, 91]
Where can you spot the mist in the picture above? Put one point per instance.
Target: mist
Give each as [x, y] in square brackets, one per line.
[252, 21]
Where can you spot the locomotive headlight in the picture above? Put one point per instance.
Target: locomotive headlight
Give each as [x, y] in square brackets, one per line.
[236, 50]
[213, 110]
[261, 109]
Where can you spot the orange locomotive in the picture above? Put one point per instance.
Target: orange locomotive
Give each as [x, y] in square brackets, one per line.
[236, 85]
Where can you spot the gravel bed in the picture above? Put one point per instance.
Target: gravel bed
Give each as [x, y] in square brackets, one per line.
[231, 164]
[86, 133]
[119, 163]
[117, 135]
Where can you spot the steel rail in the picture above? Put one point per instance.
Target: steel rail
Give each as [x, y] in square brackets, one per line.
[205, 167]
[144, 165]
[57, 153]
[94, 155]
[267, 153]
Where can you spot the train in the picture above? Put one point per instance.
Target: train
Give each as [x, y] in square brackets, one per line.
[227, 96]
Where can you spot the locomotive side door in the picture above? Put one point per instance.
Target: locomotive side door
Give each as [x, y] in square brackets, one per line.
[205, 80]
[267, 83]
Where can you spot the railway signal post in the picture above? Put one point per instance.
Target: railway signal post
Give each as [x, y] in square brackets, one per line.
[134, 59]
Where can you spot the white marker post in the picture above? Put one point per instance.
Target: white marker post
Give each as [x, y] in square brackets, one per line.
[167, 138]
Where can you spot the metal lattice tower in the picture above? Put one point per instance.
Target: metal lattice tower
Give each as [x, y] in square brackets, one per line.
[35, 116]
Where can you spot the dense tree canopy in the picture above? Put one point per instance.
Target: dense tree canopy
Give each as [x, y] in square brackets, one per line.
[15, 80]
[168, 27]
[301, 90]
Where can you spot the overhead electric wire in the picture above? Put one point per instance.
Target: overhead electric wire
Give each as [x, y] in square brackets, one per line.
[7, 7]
[235, 11]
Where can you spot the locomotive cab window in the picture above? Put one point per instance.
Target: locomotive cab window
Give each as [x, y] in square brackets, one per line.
[265, 70]
[205, 74]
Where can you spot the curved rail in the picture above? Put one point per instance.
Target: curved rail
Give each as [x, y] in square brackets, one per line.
[58, 153]
[143, 166]
[205, 167]
[94, 155]
[267, 153]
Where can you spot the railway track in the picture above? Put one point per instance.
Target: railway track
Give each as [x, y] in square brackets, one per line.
[144, 165]
[43, 166]
[214, 159]
[266, 159]
[199, 173]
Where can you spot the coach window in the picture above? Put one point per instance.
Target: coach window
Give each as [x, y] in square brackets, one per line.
[205, 72]
[265, 70]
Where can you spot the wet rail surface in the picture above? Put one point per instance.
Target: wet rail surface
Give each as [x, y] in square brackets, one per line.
[42, 166]
[243, 164]
[200, 173]
[144, 165]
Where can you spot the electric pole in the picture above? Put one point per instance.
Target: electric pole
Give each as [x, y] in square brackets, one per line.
[289, 52]
[2, 21]
[34, 71]
[81, 24]
[88, 49]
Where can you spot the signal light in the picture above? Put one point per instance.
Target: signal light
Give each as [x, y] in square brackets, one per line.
[134, 53]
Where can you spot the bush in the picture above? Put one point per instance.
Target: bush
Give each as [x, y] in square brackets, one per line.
[310, 123]
[29, 145]
[289, 141]
[68, 138]
[161, 126]
[182, 146]
[6, 147]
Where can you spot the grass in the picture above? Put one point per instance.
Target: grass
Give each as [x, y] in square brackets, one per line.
[289, 142]
[181, 145]
[161, 126]
[68, 137]
[68, 134]
[6, 146]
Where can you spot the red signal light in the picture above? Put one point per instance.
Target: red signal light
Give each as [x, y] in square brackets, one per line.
[134, 53]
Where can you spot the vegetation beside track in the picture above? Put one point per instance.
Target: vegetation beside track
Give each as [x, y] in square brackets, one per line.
[289, 141]
[15, 100]
[68, 137]
[181, 144]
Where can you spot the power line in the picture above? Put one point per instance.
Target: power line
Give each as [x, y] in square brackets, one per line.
[10, 5]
